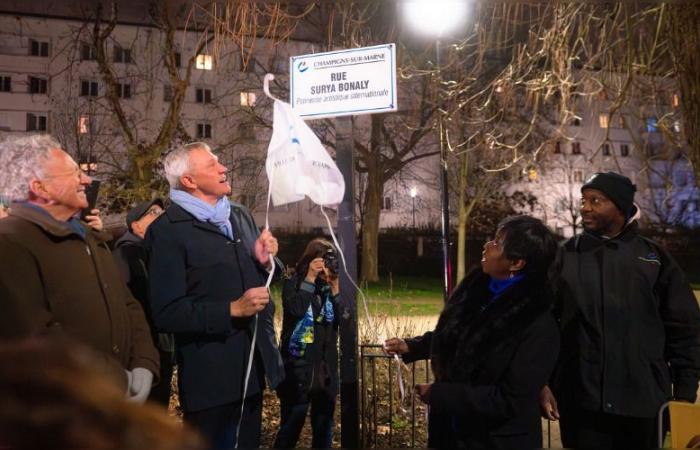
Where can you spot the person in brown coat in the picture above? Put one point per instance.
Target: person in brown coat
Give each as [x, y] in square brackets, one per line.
[57, 275]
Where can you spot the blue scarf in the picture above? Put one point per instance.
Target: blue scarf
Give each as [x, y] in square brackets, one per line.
[218, 215]
[73, 223]
[497, 287]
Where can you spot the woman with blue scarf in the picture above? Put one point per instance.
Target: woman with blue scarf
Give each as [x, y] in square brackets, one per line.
[494, 346]
[310, 301]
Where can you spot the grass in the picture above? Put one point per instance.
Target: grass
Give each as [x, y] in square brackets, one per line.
[396, 296]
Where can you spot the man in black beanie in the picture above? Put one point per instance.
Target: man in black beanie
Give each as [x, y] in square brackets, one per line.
[630, 327]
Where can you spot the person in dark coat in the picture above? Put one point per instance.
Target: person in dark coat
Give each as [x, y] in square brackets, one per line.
[494, 346]
[208, 267]
[57, 275]
[132, 259]
[310, 300]
[630, 326]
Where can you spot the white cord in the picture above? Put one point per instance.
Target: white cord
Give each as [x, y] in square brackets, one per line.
[255, 325]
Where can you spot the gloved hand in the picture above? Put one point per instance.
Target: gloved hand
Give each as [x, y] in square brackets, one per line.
[140, 385]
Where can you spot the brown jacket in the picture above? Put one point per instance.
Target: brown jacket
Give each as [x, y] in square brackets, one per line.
[53, 281]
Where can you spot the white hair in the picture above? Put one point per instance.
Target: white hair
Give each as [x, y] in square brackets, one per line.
[22, 157]
[177, 163]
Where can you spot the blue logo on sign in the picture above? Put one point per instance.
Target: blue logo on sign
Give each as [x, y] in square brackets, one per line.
[302, 66]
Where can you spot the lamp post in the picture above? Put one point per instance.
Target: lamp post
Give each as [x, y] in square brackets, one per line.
[413, 192]
[435, 18]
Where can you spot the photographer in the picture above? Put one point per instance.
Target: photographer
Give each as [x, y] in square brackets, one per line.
[309, 347]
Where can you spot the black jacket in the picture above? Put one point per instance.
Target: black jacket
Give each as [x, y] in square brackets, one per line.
[318, 367]
[630, 326]
[490, 360]
[196, 272]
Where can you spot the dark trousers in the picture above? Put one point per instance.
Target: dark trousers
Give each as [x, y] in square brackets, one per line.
[218, 425]
[293, 416]
[161, 393]
[586, 429]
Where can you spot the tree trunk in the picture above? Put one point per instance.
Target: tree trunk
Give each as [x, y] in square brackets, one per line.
[462, 219]
[684, 31]
[370, 228]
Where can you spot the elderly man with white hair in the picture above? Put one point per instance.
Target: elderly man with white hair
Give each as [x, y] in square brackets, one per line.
[57, 275]
[208, 266]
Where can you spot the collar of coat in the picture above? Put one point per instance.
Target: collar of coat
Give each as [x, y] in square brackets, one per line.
[587, 241]
[177, 213]
[472, 327]
[51, 226]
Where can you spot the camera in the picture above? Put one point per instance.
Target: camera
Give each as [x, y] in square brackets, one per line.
[330, 260]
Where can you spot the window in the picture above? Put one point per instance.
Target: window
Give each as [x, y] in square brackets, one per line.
[618, 121]
[248, 99]
[386, 204]
[5, 83]
[676, 100]
[38, 48]
[83, 124]
[204, 62]
[167, 93]
[652, 125]
[557, 148]
[124, 90]
[606, 150]
[604, 120]
[247, 65]
[532, 175]
[624, 150]
[576, 122]
[578, 176]
[178, 59]
[122, 55]
[88, 88]
[87, 52]
[37, 85]
[203, 95]
[203, 130]
[575, 148]
[249, 167]
[677, 126]
[246, 131]
[36, 122]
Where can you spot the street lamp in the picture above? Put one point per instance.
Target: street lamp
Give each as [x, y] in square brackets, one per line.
[437, 18]
[413, 192]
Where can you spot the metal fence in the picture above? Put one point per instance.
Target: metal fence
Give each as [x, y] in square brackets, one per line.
[384, 421]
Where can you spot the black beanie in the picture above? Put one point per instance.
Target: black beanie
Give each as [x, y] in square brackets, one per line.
[618, 188]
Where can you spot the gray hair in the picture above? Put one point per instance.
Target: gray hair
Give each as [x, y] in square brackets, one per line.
[22, 157]
[177, 163]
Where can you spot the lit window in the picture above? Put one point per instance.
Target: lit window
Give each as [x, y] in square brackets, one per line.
[676, 100]
[652, 125]
[204, 62]
[604, 120]
[248, 99]
[532, 175]
[84, 125]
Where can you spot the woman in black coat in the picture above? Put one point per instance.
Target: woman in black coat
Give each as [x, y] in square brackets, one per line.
[494, 347]
[310, 301]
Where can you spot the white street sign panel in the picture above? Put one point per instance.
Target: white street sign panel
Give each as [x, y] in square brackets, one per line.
[344, 82]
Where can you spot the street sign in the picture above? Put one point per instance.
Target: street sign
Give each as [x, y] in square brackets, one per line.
[344, 82]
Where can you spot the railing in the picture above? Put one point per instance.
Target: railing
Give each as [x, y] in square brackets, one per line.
[383, 419]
